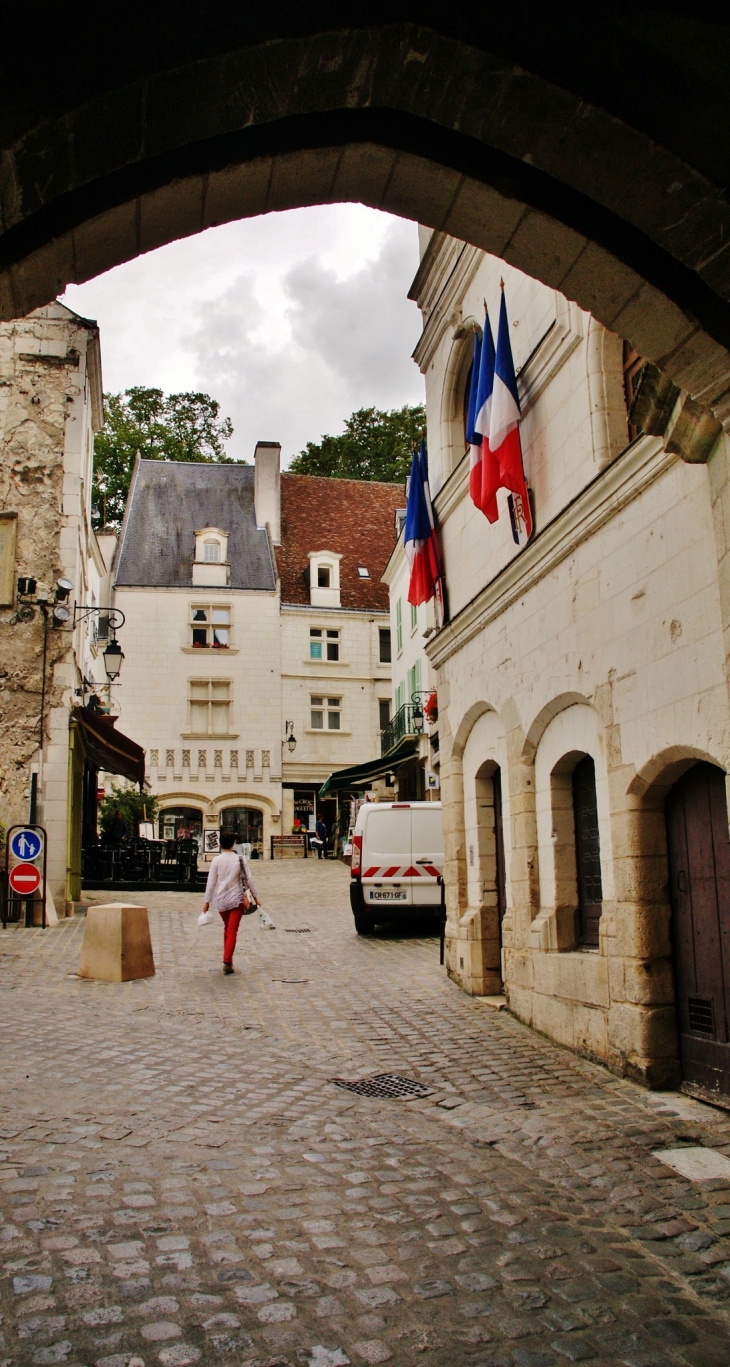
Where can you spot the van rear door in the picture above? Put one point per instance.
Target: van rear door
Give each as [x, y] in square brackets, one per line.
[427, 854]
[386, 854]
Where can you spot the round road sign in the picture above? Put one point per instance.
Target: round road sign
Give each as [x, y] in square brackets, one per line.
[26, 844]
[25, 879]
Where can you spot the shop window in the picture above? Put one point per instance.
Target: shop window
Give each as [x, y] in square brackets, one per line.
[326, 713]
[210, 627]
[324, 645]
[210, 705]
[386, 653]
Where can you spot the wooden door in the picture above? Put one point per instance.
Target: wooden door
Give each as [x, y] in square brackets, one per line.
[499, 849]
[699, 874]
[587, 850]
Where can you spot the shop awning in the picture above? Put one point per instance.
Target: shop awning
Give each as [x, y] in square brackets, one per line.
[362, 775]
[106, 747]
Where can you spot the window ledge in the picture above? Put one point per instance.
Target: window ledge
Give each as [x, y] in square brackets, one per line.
[210, 650]
[339, 664]
[314, 731]
[208, 735]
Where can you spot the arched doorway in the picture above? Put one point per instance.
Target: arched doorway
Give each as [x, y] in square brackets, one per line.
[699, 884]
[248, 823]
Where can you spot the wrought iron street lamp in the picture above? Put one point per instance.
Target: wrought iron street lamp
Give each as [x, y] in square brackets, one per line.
[290, 740]
[112, 657]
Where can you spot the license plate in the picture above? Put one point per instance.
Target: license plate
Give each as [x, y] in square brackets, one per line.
[388, 896]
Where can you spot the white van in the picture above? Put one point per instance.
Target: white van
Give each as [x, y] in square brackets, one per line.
[396, 863]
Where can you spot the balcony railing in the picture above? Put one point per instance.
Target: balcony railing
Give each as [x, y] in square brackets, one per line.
[399, 726]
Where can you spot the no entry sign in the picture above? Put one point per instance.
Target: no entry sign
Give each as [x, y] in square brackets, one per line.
[25, 879]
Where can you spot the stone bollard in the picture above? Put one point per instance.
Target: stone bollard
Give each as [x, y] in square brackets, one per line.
[117, 945]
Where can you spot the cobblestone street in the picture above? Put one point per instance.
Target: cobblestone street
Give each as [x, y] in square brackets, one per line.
[183, 1182]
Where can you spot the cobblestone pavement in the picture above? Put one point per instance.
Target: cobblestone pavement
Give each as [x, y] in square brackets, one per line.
[181, 1181]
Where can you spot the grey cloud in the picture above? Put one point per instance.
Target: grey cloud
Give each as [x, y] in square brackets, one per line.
[351, 347]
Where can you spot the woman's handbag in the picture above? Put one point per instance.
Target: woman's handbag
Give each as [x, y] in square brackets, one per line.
[248, 901]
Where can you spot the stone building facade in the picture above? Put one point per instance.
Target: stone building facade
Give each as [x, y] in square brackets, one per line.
[592, 660]
[255, 612]
[50, 407]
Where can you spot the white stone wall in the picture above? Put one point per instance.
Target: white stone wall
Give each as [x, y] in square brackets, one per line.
[241, 768]
[358, 678]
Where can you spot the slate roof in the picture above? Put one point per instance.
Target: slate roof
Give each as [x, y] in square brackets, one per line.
[354, 517]
[172, 500]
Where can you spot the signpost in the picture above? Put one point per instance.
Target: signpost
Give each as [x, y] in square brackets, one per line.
[25, 874]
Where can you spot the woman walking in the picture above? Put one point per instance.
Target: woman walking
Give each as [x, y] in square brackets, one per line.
[229, 888]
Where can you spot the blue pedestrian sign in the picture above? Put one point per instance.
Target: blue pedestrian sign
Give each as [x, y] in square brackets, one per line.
[26, 844]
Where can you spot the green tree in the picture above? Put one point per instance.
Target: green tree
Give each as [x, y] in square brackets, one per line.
[160, 427]
[132, 804]
[374, 445]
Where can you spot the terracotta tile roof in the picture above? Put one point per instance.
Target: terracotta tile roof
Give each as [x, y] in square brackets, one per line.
[355, 518]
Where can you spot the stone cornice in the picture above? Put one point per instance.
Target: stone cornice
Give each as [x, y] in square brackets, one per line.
[446, 311]
[611, 490]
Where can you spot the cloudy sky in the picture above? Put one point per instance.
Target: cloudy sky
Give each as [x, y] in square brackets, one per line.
[292, 321]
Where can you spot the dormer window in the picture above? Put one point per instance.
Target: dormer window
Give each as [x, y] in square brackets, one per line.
[324, 579]
[210, 565]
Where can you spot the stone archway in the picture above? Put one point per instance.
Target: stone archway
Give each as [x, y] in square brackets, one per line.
[548, 139]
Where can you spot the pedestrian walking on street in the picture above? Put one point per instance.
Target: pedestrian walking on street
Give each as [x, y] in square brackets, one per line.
[231, 891]
[321, 830]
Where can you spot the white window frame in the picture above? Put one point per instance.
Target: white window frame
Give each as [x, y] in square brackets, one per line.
[328, 640]
[212, 703]
[320, 704]
[209, 626]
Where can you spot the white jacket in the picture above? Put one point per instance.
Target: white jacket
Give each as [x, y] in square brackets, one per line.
[224, 889]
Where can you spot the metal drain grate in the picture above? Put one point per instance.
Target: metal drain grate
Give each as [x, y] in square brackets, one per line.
[299, 930]
[385, 1085]
[701, 1015]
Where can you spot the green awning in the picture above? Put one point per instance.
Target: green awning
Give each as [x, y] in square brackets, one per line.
[362, 775]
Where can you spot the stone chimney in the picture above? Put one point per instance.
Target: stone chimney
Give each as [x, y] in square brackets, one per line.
[267, 487]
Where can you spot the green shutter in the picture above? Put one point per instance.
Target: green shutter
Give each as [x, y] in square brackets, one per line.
[399, 625]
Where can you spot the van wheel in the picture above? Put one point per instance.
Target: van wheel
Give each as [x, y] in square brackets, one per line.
[364, 925]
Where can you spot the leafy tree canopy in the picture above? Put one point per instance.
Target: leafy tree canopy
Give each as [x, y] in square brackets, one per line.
[160, 427]
[133, 805]
[374, 445]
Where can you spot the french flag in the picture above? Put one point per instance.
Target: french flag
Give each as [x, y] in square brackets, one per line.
[421, 542]
[483, 469]
[504, 433]
[473, 437]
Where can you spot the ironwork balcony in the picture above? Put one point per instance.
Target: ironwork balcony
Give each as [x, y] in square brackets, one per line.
[399, 726]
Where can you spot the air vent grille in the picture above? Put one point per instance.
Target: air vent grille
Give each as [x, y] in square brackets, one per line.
[701, 1016]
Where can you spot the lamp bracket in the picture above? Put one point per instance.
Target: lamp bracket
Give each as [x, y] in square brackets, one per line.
[115, 616]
